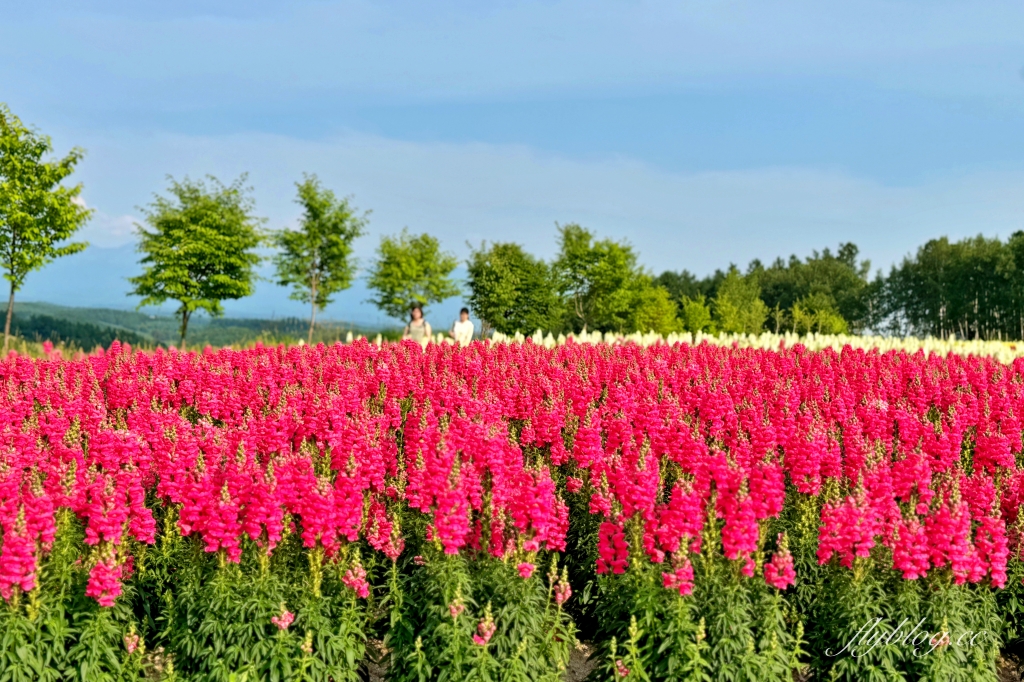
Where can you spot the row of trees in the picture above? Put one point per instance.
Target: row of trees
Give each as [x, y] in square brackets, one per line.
[202, 243]
[973, 288]
[200, 248]
[598, 284]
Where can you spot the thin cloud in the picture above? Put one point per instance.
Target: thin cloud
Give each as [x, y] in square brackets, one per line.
[472, 192]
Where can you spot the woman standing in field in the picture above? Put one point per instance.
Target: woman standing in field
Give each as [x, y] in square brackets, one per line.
[418, 329]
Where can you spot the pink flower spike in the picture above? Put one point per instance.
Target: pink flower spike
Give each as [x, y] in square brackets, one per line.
[131, 642]
[284, 620]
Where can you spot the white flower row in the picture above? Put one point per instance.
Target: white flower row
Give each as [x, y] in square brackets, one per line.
[1000, 350]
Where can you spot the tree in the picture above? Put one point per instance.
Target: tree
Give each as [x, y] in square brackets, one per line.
[965, 288]
[512, 291]
[685, 285]
[37, 212]
[411, 269]
[315, 260]
[652, 309]
[817, 313]
[839, 277]
[201, 250]
[696, 316]
[738, 308]
[598, 280]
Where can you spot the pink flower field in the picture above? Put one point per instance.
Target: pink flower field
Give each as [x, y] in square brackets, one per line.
[696, 512]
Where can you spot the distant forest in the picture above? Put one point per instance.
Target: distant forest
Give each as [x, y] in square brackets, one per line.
[973, 288]
[86, 328]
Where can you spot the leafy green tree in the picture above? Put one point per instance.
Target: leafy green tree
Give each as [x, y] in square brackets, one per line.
[652, 309]
[817, 313]
[511, 290]
[598, 280]
[411, 269]
[838, 277]
[1012, 270]
[696, 315]
[685, 285]
[201, 249]
[316, 259]
[738, 308]
[967, 288]
[37, 212]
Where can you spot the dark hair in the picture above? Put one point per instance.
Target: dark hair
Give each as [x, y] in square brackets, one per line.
[464, 310]
[415, 306]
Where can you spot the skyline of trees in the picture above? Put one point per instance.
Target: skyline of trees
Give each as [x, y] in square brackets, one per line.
[204, 241]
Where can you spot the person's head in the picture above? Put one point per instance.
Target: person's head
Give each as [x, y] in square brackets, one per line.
[416, 312]
[464, 314]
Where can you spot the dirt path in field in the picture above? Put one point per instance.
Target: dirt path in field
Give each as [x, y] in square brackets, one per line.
[580, 662]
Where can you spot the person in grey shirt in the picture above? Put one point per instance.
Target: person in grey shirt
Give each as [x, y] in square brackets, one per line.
[418, 328]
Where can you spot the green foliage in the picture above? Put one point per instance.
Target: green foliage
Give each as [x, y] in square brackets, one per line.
[652, 309]
[824, 291]
[448, 597]
[730, 628]
[737, 307]
[696, 315]
[315, 260]
[683, 285]
[201, 249]
[817, 313]
[511, 291]
[411, 269]
[594, 277]
[604, 288]
[56, 633]
[37, 213]
[973, 288]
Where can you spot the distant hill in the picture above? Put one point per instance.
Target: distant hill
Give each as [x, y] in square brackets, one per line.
[88, 327]
[83, 335]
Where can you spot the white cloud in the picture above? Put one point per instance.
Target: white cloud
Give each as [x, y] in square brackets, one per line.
[471, 192]
[105, 230]
[109, 231]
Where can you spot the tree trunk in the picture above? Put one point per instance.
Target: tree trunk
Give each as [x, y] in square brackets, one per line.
[184, 326]
[312, 314]
[7, 324]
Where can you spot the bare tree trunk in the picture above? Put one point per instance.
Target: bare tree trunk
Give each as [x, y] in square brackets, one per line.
[312, 314]
[7, 324]
[184, 327]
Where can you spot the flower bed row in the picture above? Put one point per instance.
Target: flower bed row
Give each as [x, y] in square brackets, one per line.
[700, 512]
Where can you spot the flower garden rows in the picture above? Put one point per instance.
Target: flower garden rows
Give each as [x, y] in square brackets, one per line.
[697, 512]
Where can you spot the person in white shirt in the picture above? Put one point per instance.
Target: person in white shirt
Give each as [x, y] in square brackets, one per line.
[462, 330]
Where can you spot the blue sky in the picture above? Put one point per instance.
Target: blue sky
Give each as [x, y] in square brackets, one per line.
[704, 133]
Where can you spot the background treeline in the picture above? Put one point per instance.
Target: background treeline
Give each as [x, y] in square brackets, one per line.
[973, 288]
[201, 245]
